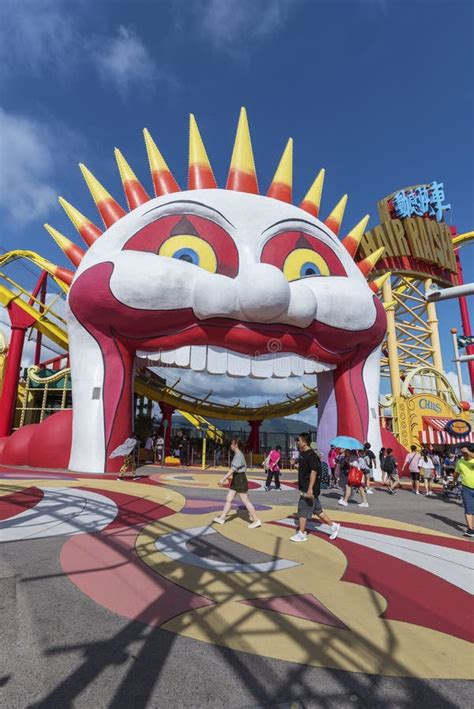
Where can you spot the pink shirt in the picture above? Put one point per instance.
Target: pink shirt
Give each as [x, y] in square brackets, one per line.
[332, 455]
[274, 459]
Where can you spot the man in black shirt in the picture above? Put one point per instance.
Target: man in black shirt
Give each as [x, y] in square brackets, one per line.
[309, 485]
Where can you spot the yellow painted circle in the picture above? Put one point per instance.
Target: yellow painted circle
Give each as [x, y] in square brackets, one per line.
[203, 250]
[299, 257]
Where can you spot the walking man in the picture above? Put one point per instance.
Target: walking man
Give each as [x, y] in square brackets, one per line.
[309, 485]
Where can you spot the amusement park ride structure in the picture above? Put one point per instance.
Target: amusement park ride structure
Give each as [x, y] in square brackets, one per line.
[420, 250]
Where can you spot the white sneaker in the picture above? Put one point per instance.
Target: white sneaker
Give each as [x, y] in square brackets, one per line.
[334, 530]
[363, 504]
[219, 520]
[299, 537]
[254, 525]
[342, 502]
[369, 491]
[417, 493]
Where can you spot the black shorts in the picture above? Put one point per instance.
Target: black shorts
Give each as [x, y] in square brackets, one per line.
[415, 477]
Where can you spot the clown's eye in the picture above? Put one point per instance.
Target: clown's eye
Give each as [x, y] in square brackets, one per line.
[192, 249]
[304, 263]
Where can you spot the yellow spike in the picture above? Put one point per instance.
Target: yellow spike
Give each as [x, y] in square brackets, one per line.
[200, 170]
[284, 171]
[126, 172]
[242, 174]
[378, 282]
[155, 158]
[98, 191]
[334, 220]
[312, 201]
[72, 251]
[368, 264]
[352, 240]
[77, 218]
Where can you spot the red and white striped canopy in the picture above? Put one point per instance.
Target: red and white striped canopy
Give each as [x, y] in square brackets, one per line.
[433, 432]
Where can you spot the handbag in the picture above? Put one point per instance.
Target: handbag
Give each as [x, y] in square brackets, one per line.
[355, 476]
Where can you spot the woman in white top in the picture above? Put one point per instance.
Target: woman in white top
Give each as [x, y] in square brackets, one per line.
[426, 467]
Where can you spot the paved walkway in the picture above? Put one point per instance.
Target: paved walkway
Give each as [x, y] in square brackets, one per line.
[123, 594]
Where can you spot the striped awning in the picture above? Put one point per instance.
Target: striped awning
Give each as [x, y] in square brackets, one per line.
[433, 432]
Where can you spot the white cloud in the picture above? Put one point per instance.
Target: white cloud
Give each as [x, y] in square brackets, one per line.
[27, 149]
[57, 39]
[466, 392]
[124, 60]
[230, 24]
[34, 37]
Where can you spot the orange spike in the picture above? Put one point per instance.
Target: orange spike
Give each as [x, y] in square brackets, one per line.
[163, 180]
[109, 209]
[134, 192]
[74, 253]
[242, 175]
[334, 220]
[312, 201]
[200, 175]
[377, 283]
[368, 264]
[352, 240]
[89, 231]
[282, 184]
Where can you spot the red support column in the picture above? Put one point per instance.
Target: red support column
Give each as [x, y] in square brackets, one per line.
[20, 322]
[253, 441]
[42, 299]
[11, 379]
[466, 322]
[167, 414]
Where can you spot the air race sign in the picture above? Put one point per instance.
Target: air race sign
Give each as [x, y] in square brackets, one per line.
[416, 238]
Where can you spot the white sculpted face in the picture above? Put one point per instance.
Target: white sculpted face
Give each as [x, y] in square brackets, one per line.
[316, 281]
[222, 281]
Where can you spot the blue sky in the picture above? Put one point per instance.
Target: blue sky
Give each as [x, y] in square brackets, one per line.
[379, 92]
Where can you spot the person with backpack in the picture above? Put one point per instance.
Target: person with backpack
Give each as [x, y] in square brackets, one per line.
[309, 481]
[272, 466]
[412, 461]
[390, 467]
[370, 462]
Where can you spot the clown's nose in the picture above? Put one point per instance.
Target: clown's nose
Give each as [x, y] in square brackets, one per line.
[263, 292]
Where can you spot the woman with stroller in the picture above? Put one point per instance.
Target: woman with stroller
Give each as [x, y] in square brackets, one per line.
[239, 484]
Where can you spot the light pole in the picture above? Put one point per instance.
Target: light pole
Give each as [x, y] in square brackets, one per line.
[454, 333]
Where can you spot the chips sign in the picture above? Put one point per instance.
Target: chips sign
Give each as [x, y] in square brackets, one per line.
[417, 241]
[458, 428]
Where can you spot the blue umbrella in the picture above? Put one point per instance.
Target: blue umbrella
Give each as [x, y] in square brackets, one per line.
[347, 442]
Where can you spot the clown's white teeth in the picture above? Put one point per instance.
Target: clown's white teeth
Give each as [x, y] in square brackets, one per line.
[217, 360]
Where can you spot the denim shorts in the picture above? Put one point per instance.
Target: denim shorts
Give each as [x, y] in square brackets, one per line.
[467, 494]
